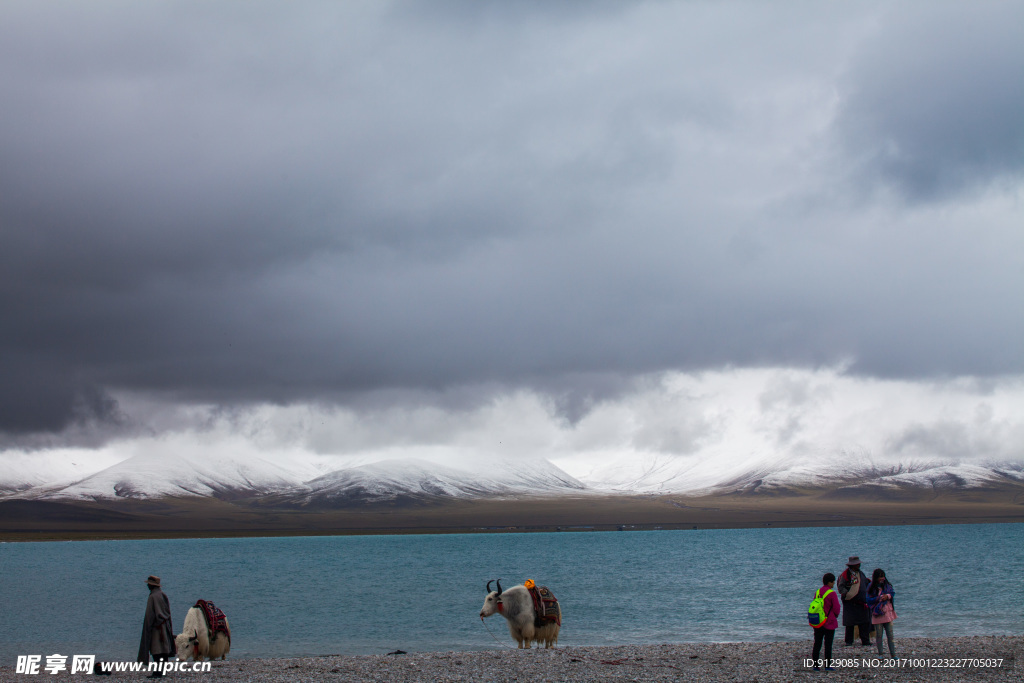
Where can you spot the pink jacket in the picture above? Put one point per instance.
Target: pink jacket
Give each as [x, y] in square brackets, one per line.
[832, 608]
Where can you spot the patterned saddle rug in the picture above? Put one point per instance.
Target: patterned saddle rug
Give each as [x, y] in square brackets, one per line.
[216, 622]
[545, 606]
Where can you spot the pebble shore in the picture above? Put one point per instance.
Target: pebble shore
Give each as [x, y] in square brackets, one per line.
[924, 659]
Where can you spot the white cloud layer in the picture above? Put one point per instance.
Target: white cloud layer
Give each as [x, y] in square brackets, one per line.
[670, 431]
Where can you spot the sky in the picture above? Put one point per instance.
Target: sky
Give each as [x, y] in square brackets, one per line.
[409, 222]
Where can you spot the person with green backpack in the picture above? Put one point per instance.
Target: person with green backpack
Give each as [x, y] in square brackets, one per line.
[821, 615]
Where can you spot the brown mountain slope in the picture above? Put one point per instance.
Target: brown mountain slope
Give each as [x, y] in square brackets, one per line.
[184, 517]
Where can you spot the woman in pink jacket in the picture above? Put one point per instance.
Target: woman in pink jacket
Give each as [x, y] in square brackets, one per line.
[882, 601]
[827, 632]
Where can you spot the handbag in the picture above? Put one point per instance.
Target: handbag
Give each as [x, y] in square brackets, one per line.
[854, 590]
[888, 610]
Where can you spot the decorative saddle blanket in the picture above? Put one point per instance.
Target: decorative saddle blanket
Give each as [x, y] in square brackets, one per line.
[545, 606]
[216, 622]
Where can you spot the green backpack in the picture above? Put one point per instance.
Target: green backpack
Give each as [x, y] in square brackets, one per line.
[816, 611]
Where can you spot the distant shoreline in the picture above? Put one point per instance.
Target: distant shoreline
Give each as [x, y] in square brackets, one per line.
[974, 658]
[42, 536]
[24, 520]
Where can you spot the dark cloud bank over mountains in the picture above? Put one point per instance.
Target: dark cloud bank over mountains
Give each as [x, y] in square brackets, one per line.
[246, 204]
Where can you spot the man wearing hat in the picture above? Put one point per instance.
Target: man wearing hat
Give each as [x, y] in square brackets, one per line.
[853, 589]
[157, 632]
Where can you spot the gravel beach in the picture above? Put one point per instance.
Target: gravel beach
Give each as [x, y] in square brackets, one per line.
[926, 659]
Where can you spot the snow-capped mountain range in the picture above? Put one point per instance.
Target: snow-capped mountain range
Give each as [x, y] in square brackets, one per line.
[672, 474]
[297, 481]
[339, 481]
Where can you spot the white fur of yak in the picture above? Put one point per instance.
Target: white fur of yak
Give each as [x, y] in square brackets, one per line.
[517, 608]
[195, 632]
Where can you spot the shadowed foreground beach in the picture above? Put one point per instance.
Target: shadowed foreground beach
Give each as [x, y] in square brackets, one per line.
[979, 658]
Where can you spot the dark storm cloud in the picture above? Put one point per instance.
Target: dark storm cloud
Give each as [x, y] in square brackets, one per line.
[935, 104]
[252, 202]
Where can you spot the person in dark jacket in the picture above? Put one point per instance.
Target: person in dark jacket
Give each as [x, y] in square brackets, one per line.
[853, 589]
[157, 632]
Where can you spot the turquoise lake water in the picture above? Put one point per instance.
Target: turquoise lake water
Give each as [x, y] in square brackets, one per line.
[374, 594]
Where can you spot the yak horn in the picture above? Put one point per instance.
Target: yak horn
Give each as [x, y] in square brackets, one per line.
[489, 586]
[499, 586]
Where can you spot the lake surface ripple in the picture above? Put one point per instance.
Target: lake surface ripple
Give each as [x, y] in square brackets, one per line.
[299, 596]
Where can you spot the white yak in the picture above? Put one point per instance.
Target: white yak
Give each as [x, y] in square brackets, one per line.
[516, 606]
[194, 640]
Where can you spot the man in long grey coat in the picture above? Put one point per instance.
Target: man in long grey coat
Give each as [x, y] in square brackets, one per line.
[157, 632]
[853, 589]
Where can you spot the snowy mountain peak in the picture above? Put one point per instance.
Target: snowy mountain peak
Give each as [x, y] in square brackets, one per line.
[305, 481]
